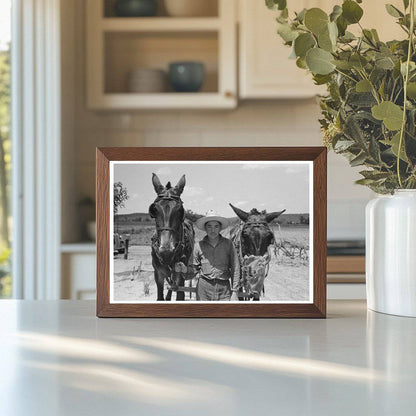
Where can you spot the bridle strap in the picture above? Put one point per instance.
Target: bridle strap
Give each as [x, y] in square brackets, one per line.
[166, 229]
[168, 198]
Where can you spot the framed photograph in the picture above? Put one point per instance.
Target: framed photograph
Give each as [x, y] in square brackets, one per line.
[211, 232]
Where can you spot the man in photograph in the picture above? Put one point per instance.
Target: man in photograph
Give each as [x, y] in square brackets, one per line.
[215, 262]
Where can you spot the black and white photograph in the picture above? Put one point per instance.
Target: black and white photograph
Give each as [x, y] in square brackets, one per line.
[211, 231]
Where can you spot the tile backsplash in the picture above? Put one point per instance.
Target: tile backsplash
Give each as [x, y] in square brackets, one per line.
[271, 123]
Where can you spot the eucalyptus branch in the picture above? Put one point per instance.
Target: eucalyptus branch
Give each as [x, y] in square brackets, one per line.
[379, 121]
[345, 75]
[397, 95]
[373, 89]
[369, 41]
[406, 79]
[392, 90]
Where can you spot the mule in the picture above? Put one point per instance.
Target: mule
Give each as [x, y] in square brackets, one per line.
[252, 238]
[173, 240]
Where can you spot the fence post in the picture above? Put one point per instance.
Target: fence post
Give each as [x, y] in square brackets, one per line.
[126, 251]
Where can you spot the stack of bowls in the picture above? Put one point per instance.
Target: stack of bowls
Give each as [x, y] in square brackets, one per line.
[147, 80]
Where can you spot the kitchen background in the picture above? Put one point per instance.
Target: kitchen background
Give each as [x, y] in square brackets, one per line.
[274, 106]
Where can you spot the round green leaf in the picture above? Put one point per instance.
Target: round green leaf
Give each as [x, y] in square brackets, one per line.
[341, 64]
[276, 4]
[286, 32]
[324, 42]
[351, 11]
[316, 20]
[411, 90]
[301, 63]
[333, 32]
[336, 12]
[385, 63]
[391, 114]
[358, 61]
[303, 43]
[342, 25]
[394, 144]
[393, 11]
[319, 61]
[363, 86]
[327, 40]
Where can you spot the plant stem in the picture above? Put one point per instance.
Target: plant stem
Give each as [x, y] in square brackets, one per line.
[345, 75]
[406, 79]
[373, 90]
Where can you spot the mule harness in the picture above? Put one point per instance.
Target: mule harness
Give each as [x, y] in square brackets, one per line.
[246, 270]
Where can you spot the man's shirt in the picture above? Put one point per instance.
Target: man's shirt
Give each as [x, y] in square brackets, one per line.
[219, 262]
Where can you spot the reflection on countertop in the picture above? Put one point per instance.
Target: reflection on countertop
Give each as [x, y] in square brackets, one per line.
[64, 360]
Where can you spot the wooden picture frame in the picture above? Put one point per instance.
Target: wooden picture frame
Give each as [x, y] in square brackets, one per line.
[315, 308]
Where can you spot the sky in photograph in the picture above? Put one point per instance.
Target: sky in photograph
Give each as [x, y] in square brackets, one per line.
[5, 21]
[269, 186]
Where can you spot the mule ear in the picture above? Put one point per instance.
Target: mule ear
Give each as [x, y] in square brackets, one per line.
[240, 213]
[180, 185]
[273, 215]
[156, 184]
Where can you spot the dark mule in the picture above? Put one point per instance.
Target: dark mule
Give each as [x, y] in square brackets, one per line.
[173, 240]
[252, 238]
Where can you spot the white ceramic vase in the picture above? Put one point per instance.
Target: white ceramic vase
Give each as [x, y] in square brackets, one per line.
[391, 253]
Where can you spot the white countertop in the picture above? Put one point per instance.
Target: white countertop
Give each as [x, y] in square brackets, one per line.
[57, 358]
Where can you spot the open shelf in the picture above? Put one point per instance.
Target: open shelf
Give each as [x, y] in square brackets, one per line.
[127, 51]
[116, 46]
[81, 247]
[210, 8]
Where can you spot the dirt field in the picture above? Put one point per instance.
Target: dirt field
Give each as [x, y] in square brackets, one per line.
[288, 279]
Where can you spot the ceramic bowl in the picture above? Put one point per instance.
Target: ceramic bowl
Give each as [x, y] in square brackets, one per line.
[135, 8]
[186, 76]
[147, 80]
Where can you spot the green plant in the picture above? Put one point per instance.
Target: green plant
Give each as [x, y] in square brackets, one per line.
[5, 278]
[369, 113]
[120, 196]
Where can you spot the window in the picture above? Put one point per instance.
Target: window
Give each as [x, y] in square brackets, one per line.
[5, 148]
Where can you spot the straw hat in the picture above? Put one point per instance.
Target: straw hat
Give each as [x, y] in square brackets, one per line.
[211, 216]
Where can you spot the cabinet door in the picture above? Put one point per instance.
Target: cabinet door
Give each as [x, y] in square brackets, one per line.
[265, 68]
[78, 276]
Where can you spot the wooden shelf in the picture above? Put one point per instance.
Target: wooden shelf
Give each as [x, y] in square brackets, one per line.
[159, 24]
[81, 247]
[346, 264]
[163, 101]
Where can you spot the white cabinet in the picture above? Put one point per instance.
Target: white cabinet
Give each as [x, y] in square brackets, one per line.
[78, 264]
[265, 70]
